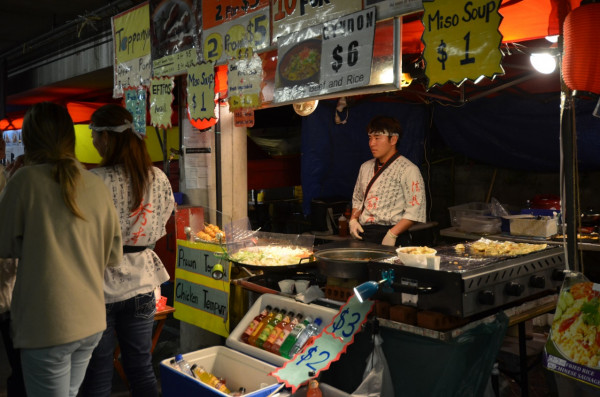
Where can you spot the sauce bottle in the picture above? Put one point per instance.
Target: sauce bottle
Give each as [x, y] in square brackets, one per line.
[290, 341]
[266, 331]
[262, 324]
[252, 326]
[285, 331]
[277, 330]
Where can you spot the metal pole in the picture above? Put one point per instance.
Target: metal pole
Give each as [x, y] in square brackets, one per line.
[569, 180]
[218, 178]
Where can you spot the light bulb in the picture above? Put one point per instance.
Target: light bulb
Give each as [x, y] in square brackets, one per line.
[543, 62]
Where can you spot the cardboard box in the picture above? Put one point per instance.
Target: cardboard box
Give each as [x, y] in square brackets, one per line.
[534, 227]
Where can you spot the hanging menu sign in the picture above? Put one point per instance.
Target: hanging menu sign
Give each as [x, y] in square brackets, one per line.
[462, 40]
[226, 40]
[135, 102]
[161, 98]
[131, 39]
[331, 57]
[244, 80]
[294, 15]
[201, 91]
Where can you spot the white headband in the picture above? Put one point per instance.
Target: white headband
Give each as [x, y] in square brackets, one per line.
[118, 128]
[383, 132]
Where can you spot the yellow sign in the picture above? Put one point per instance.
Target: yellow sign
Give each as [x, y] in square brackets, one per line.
[199, 298]
[131, 34]
[161, 98]
[462, 40]
[201, 91]
[226, 40]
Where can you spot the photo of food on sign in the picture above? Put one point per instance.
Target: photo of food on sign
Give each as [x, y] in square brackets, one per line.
[172, 26]
[300, 64]
[575, 331]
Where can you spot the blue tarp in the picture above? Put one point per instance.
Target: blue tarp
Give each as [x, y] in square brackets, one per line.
[517, 133]
[503, 131]
[332, 153]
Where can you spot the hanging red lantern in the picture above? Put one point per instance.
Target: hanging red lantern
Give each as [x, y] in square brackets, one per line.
[581, 58]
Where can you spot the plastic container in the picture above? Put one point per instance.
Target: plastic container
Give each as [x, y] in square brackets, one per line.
[480, 224]
[241, 364]
[238, 369]
[307, 310]
[534, 227]
[468, 210]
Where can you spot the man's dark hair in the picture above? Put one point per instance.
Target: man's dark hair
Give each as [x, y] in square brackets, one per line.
[385, 124]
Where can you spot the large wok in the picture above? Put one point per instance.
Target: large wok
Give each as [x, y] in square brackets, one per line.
[349, 262]
[302, 264]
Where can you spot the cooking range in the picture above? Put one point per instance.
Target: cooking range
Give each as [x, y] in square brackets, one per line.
[467, 285]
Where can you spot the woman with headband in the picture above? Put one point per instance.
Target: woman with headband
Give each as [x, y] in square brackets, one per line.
[57, 219]
[144, 200]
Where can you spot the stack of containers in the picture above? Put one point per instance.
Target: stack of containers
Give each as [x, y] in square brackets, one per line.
[240, 364]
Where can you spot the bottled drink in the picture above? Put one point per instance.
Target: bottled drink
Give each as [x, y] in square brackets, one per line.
[285, 331]
[343, 226]
[254, 323]
[209, 379]
[183, 365]
[290, 341]
[264, 334]
[277, 330]
[263, 323]
[203, 375]
[310, 331]
[313, 389]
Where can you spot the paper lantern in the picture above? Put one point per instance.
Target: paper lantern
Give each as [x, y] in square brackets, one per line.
[581, 59]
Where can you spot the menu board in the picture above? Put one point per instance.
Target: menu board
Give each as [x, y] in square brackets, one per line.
[333, 56]
[294, 15]
[462, 40]
[131, 39]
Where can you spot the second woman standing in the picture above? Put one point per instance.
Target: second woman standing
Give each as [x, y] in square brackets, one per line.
[144, 200]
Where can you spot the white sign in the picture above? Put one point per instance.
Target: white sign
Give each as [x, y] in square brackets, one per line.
[132, 73]
[391, 8]
[342, 48]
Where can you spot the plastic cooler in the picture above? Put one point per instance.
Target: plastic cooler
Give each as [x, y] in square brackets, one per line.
[242, 365]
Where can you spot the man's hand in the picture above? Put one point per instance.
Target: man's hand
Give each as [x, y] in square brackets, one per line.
[389, 239]
[355, 228]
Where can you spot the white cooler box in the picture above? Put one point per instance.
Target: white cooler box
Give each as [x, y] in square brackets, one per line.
[240, 364]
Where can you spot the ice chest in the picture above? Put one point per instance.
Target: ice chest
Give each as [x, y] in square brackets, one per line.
[240, 364]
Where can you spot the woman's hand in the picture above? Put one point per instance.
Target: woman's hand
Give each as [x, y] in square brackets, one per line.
[15, 165]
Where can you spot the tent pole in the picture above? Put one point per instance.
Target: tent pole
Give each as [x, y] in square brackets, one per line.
[569, 180]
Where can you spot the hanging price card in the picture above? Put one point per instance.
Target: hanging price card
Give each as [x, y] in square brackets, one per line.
[327, 347]
[244, 79]
[462, 40]
[135, 102]
[161, 98]
[201, 91]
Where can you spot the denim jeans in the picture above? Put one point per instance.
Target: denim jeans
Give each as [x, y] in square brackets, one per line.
[57, 371]
[132, 320]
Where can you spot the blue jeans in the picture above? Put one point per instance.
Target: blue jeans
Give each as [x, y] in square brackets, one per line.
[57, 371]
[132, 320]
